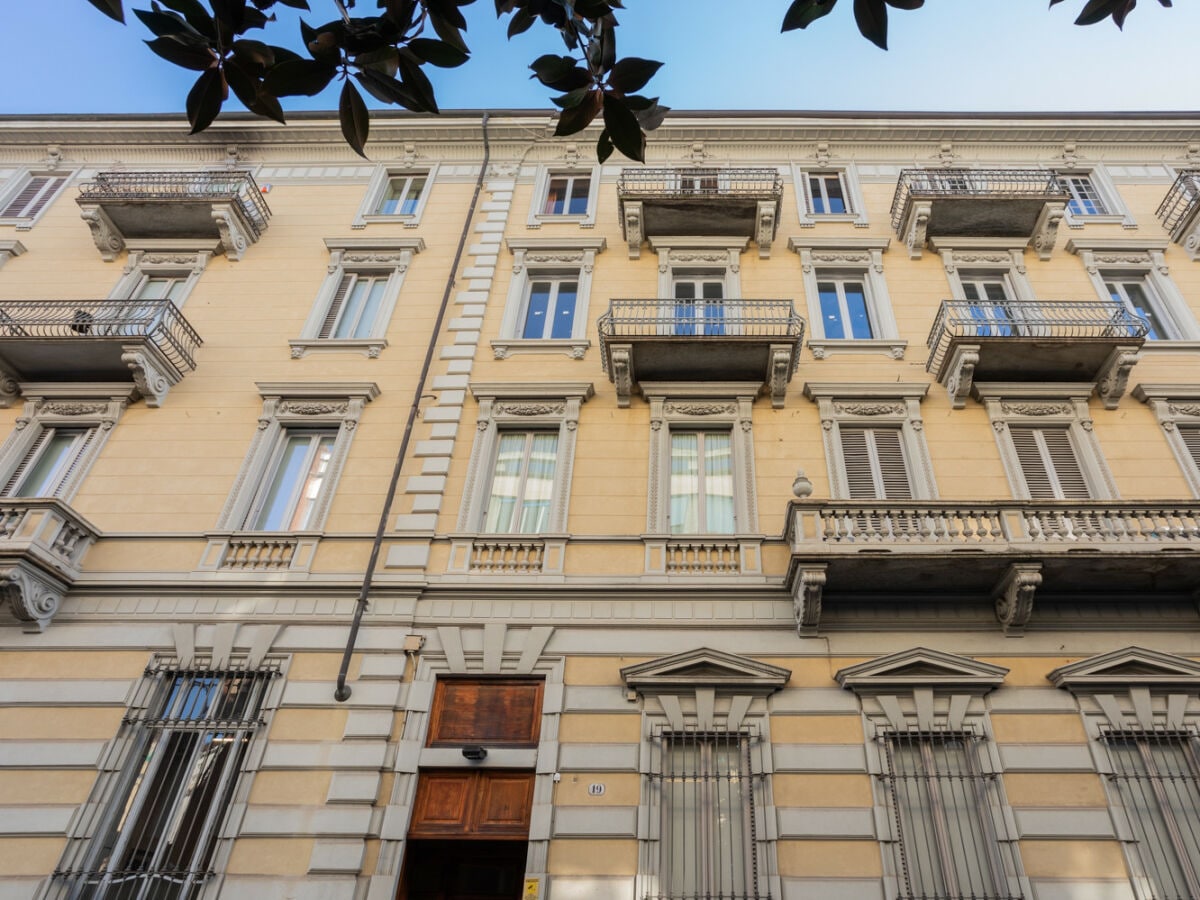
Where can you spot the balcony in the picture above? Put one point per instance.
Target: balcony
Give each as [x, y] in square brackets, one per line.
[1006, 551]
[704, 340]
[700, 201]
[146, 341]
[42, 543]
[164, 207]
[993, 203]
[1179, 212]
[1034, 340]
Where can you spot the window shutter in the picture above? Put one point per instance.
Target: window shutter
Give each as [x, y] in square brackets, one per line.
[1049, 463]
[33, 197]
[892, 469]
[78, 454]
[859, 478]
[335, 306]
[1191, 439]
[875, 464]
[30, 455]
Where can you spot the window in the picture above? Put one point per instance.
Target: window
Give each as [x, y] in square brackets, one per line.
[1137, 296]
[1094, 199]
[63, 435]
[1156, 776]
[1085, 199]
[522, 487]
[358, 297]
[154, 277]
[155, 827]
[708, 814]
[875, 464]
[698, 303]
[401, 195]
[548, 296]
[27, 195]
[939, 798]
[1136, 275]
[50, 462]
[564, 195]
[827, 193]
[1177, 409]
[287, 499]
[847, 296]
[396, 195]
[702, 483]
[1049, 463]
[698, 180]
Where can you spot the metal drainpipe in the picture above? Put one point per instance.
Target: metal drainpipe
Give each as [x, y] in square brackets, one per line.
[343, 691]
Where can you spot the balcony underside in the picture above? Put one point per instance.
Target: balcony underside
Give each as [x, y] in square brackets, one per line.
[715, 215]
[982, 216]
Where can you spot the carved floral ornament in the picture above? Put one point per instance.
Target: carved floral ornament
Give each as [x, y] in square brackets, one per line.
[1017, 408]
[312, 408]
[700, 408]
[529, 408]
[72, 408]
[877, 408]
[1184, 409]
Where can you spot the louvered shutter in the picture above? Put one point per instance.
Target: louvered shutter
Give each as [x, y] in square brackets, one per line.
[1191, 439]
[875, 464]
[23, 466]
[1049, 463]
[893, 472]
[33, 197]
[79, 453]
[335, 306]
[857, 461]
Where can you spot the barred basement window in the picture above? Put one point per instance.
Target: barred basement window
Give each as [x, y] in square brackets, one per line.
[1156, 775]
[154, 826]
[707, 828]
[942, 803]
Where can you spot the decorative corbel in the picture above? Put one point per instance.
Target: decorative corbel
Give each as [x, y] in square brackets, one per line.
[918, 223]
[1114, 375]
[233, 237]
[1045, 232]
[764, 233]
[1014, 597]
[634, 227]
[961, 374]
[33, 597]
[621, 360]
[106, 236]
[152, 381]
[779, 373]
[806, 597]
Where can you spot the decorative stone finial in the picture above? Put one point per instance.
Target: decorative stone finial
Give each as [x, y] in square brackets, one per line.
[802, 487]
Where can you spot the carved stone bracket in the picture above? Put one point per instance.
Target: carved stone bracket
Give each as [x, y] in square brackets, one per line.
[960, 374]
[764, 229]
[1114, 375]
[1014, 597]
[32, 595]
[1045, 232]
[1189, 239]
[621, 360]
[10, 389]
[153, 379]
[635, 231]
[108, 239]
[779, 373]
[806, 598]
[915, 234]
[234, 239]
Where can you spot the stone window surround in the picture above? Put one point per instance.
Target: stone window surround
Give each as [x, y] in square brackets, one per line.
[1055, 404]
[541, 185]
[1174, 405]
[90, 406]
[698, 253]
[991, 256]
[847, 257]
[895, 405]
[368, 256]
[158, 259]
[709, 406]
[288, 405]
[533, 256]
[1118, 213]
[1140, 258]
[383, 174]
[850, 184]
[13, 186]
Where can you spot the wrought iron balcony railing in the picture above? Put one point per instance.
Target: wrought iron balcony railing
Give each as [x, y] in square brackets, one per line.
[1057, 320]
[669, 181]
[1181, 200]
[236, 187]
[999, 183]
[157, 321]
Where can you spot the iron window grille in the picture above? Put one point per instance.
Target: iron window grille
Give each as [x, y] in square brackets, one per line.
[152, 829]
[1156, 775]
[942, 804]
[707, 788]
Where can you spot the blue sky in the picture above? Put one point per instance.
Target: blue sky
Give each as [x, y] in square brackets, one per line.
[720, 54]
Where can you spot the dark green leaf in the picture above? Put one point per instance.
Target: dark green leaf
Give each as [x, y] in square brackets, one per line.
[1096, 11]
[205, 98]
[415, 80]
[622, 126]
[231, 13]
[651, 118]
[521, 22]
[437, 53]
[576, 78]
[905, 4]
[608, 48]
[111, 8]
[184, 55]
[294, 77]
[871, 16]
[550, 68]
[195, 13]
[352, 113]
[604, 146]
[169, 24]
[637, 102]
[571, 98]
[385, 60]
[448, 33]
[242, 84]
[296, 4]
[576, 118]
[387, 90]
[266, 105]
[631, 74]
[255, 56]
[803, 13]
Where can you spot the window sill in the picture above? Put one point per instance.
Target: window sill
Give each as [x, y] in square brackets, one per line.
[893, 348]
[812, 219]
[576, 348]
[1079, 221]
[584, 220]
[369, 347]
[406, 221]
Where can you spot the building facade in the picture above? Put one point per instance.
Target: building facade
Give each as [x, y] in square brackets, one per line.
[809, 513]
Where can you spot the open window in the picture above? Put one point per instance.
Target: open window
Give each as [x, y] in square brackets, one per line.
[396, 195]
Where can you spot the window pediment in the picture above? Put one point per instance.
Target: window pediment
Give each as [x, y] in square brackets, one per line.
[705, 668]
[921, 668]
[1129, 667]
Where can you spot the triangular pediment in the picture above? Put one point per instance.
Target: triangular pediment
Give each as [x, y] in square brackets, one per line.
[1126, 668]
[920, 667]
[705, 668]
